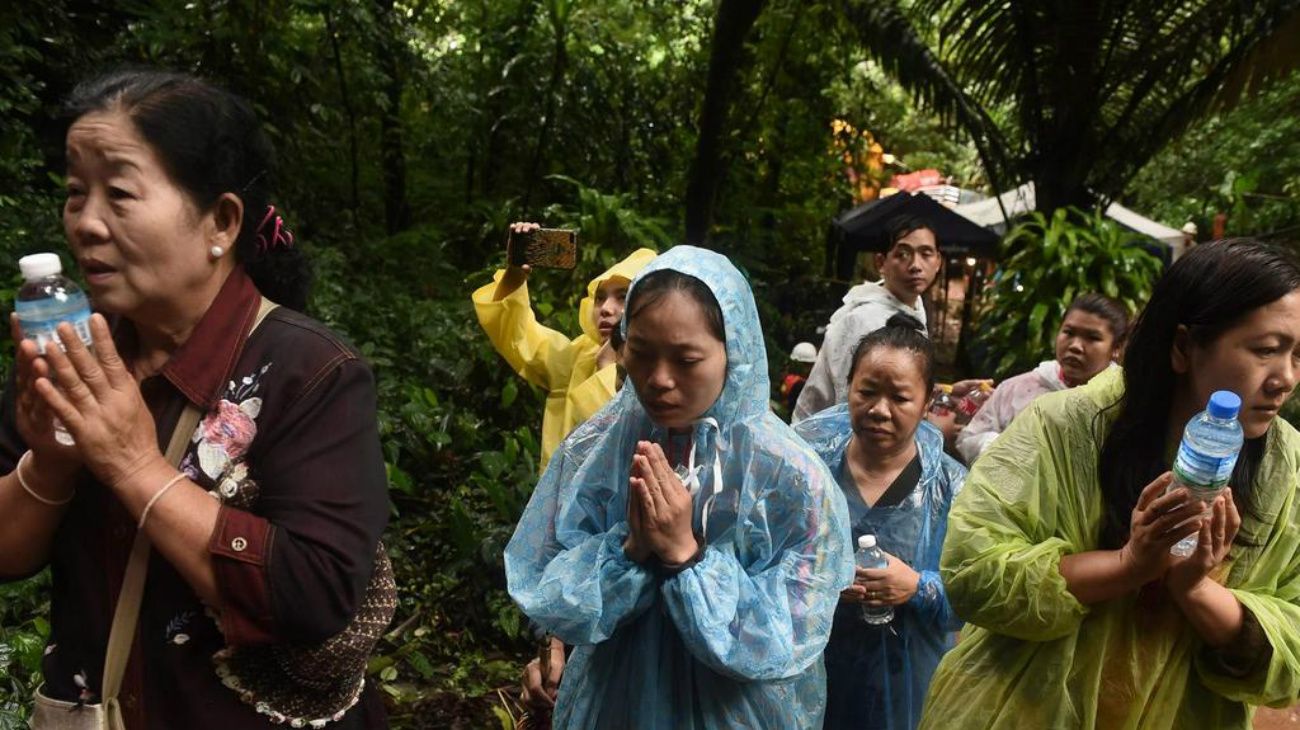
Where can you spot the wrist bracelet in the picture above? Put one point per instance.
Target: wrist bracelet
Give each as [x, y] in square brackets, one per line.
[664, 570]
[18, 472]
[144, 514]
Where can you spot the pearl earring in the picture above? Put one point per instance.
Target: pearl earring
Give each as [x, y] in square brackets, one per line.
[216, 252]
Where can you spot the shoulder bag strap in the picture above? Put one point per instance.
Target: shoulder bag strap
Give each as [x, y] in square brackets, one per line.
[122, 635]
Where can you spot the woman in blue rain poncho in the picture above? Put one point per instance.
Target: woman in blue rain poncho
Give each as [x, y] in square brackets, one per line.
[698, 589]
[898, 482]
[1058, 549]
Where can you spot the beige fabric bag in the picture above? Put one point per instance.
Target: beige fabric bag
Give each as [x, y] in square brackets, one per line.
[51, 714]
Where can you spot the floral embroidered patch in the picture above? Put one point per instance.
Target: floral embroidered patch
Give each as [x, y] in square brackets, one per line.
[176, 628]
[223, 439]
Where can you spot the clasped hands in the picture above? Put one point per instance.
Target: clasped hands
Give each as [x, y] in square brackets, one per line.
[660, 511]
[96, 398]
[1160, 520]
[893, 585]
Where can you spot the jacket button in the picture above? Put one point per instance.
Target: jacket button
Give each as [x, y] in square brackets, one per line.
[239, 544]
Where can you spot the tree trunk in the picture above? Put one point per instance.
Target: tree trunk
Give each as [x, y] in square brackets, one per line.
[559, 63]
[397, 211]
[734, 20]
[1063, 112]
[512, 44]
[771, 186]
[348, 110]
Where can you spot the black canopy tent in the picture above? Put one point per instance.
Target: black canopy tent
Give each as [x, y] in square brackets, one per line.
[864, 229]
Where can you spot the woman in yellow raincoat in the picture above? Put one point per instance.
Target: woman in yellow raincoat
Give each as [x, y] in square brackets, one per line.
[578, 374]
[1057, 551]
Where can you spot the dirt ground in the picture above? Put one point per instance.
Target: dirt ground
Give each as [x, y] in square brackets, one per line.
[1269, 719]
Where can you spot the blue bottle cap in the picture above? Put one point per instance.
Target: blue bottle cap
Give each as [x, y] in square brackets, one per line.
[1224, 404]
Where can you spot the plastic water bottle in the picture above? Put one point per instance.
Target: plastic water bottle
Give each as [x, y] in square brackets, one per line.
[46, 299]
[1207, 455]
[968, 405]
[870, 556]
[943, 403]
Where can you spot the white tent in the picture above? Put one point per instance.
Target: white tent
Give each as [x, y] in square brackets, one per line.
[988, 214]
[1172, 237]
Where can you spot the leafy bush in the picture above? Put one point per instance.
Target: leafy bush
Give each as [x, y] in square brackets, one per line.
[1243, 162]
[1046, 264]
[23, 632]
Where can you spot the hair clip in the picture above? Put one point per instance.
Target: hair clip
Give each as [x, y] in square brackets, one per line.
[280, 235]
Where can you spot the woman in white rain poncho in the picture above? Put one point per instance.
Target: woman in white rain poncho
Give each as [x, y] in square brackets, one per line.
[712, 609]
[1089, 340]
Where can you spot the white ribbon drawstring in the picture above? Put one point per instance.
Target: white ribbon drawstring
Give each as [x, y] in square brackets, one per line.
[691, 479]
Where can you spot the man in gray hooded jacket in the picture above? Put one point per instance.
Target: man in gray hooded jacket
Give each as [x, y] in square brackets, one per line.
[907, 269]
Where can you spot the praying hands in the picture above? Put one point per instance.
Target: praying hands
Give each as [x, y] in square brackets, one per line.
[659, 510]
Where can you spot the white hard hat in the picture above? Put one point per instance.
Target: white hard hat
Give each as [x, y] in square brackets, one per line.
[1189, 228]
[804, 352]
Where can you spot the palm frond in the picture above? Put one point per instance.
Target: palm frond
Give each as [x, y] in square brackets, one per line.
[1094, 89]
[890, 37]
[1272, 57]
[1150, 126]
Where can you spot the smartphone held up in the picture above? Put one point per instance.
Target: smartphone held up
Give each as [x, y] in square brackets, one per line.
[546, 248]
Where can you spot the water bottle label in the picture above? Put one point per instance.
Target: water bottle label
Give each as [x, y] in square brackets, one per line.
[1197, 470]
[45, 331]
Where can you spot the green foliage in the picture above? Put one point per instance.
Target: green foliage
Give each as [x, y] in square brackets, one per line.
[23, 631]
[880, 104]
[610, 219]
[1244, 163]
[1047, 263]
[1078, 112]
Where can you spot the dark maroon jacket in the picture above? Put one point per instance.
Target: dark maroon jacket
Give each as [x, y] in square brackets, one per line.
[291, 567]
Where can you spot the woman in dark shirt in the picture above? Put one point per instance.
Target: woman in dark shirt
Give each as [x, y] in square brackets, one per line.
[899, 485]
[268, 534]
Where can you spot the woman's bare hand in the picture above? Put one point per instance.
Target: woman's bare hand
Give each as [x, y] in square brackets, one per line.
[1158, 521]
[100, 404]
[1214, 542]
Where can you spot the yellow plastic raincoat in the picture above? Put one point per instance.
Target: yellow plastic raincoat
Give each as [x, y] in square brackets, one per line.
[1034, 657]
[565, 368]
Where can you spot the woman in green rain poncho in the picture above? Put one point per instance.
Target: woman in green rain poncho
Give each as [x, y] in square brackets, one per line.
[1058, 547]
[686, 542]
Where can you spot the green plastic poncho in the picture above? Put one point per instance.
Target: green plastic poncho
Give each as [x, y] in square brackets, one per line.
[733, 641]
[1037, 658]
